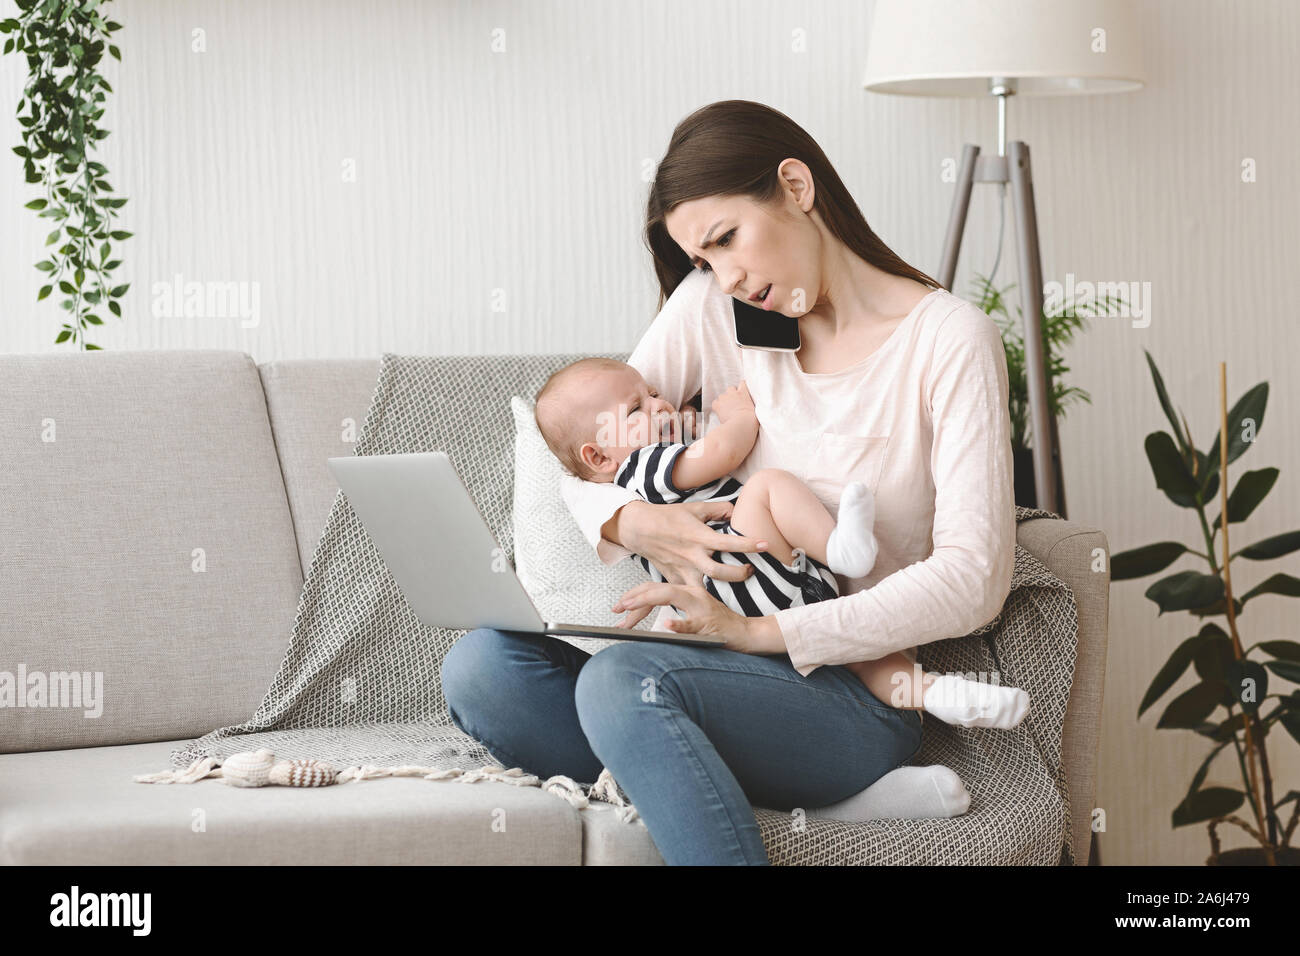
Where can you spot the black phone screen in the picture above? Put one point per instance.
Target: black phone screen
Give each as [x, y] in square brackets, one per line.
[759, 329]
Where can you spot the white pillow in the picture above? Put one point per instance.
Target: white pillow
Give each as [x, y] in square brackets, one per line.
[558, 568]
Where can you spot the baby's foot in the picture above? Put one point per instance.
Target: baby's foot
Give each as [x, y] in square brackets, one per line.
[851, 548]
[968, 703]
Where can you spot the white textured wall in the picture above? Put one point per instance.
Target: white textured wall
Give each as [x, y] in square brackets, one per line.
[522, 171]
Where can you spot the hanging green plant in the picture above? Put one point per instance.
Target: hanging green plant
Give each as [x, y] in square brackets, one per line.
[65, 41]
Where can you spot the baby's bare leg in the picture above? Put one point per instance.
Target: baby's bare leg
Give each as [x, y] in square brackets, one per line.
[777, 507]
[896, 681]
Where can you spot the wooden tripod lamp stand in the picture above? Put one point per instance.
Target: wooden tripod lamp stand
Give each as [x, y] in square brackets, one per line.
[1001, 48]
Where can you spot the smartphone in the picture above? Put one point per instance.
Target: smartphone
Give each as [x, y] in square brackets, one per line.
[759, 329]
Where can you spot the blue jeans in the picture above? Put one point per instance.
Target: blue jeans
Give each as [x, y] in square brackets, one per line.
[695, 736]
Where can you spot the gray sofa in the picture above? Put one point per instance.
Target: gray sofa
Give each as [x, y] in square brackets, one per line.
[158, 512]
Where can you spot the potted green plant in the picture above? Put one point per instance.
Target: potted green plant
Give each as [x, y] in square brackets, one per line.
[1231, 678]
[1059, 326]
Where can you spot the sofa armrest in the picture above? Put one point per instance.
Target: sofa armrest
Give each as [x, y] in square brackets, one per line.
[1079, 555]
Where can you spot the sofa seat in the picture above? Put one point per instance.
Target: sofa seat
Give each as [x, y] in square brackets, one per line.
[82, 807]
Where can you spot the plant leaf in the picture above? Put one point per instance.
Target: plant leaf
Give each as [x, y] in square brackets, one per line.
[1283, 650]
[1279, 583]
[1207, 804]
[1235, 676]
[1186, 590]
[1290, 720]
[1192, 706]
[1223, 732]
[1218, 607]
[1172, 476]
[1250, 407]
[1287, 670]
[1164, 400]
[1273, 547]
[1252, 487]
[1173, 669]
[1140, 562]
[1204, 768]
[1213, 655]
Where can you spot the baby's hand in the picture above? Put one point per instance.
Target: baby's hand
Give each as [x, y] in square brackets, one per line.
[733, 403]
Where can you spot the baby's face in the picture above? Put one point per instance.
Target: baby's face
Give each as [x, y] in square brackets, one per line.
[629, 415]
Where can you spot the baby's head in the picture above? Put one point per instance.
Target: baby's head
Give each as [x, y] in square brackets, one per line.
[597, 411]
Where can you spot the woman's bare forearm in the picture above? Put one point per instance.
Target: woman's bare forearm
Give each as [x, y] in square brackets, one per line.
[610, 529]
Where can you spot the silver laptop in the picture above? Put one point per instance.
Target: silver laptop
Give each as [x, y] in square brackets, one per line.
[442, 554]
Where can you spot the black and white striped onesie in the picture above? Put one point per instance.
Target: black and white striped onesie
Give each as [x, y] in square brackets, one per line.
[773, 586]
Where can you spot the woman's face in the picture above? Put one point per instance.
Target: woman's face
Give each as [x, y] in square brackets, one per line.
[751, 246]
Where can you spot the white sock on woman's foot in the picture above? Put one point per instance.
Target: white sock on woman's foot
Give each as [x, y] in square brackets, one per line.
[851, 548]
[907, 793]
[968, 703]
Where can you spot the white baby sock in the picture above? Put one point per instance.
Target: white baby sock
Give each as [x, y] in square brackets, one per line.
[969, 703]
[907, 793]
[851, 547]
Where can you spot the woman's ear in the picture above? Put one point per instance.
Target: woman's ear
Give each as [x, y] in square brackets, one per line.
[797, 180]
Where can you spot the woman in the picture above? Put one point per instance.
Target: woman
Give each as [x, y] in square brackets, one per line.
[897, 383]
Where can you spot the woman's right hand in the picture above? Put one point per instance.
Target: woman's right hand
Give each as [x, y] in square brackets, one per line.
[676, 540]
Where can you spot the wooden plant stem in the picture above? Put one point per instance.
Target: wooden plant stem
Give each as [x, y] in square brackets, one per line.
[1266, 823]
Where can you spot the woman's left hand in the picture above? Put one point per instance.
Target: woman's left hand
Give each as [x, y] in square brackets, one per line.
[705, 614]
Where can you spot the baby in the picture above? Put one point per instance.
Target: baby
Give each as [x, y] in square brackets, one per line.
[603, 422]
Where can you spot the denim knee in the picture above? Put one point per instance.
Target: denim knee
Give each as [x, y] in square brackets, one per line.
[615, 682]
[468, 666]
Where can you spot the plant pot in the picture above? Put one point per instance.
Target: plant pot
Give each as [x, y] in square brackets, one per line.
[1026, 494]
[1023, 476]
[1254, 856]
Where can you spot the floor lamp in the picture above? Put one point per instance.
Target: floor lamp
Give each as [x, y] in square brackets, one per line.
[1002, 48]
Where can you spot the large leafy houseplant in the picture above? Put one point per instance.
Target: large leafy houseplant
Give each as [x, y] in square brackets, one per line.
[1227, 704]
[65, 42]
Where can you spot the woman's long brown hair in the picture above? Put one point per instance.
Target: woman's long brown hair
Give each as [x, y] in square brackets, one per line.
[733, 148]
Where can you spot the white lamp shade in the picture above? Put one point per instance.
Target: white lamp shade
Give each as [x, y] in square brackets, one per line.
[1049, 47]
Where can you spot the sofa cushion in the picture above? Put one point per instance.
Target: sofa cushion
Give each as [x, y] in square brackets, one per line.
[608, 841]
[317, 407]
[145, 541]
[81, 807]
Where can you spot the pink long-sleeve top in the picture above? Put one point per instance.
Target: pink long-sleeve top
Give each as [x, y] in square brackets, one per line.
[923, 421]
